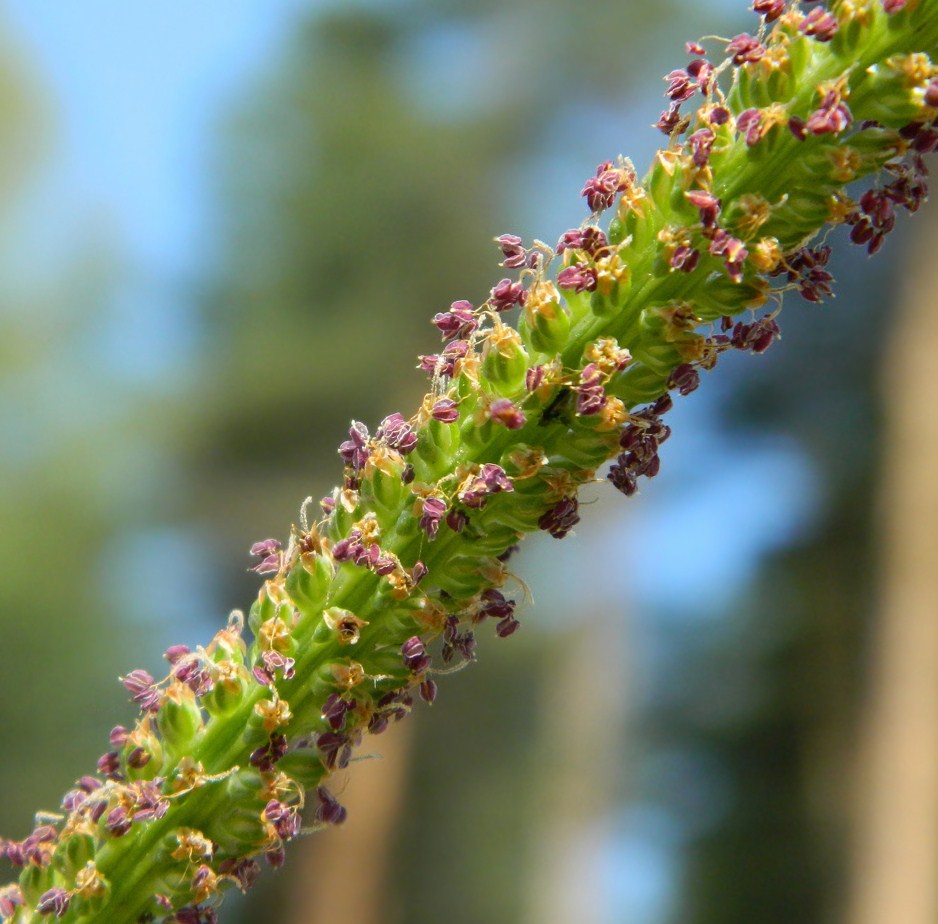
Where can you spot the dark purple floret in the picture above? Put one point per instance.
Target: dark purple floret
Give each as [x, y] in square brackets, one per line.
[284, 818]
[243, 870]
[685, 258]
[681, 86]
[508, 626]
[397, 433]
[445, 410]
[798, 128]
[749, 124]
[109, 765]
[561, 518]
[701, 144]
[831, 117]
[428, 690]
[491, 479]
[494, 605]
[671, 120]
[54, 901]
[460, 321]
[744, 49]
[708, 205]
[701, 71]
[600, 190]
[756, 337]
[275, 857]
[622, 477]
[591, 395]
[685, 378]
[266, 756]
[414, 654]
[512, 248]
[118, 736]
[328, 811]
[355, 449]
[581, 277]
[433, 512]
[335, 709]
[770, 10]
[118, 821]
[336, 750]
[456, 520]
[11, 898]
[143, 690]
[930, 98]
[506, 295]
[195, 914]
[507, 413]
[533, 378]
[819, 23]
[175, 652]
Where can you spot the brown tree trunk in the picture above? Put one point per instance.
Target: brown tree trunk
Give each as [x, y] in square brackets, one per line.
[895, 869]
[357, 855]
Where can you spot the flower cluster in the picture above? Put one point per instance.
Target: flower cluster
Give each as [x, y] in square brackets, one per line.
[569, 364]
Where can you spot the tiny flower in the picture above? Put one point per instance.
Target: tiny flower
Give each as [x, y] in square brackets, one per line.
[432, 513]
[560, 519]
[336, 750]
[770, 10]
[118, 736]
[513, 250]
[494, 604]
[507, 413]
[397, 433]
[930, 97]
[533, 378]
[622, 477]
[335, 709]
[819, 23]
[508, 626]
[54, 901]
[680, 86]
[456, 520]
[355, 449]
[685, 258]
[242, 870]
[415, 656]
[708, 204]
[671, 121]
[428, 690]
[701, 144]
[831, 117]
[581, 277]
[749, 124]
[266, 756]
[143, 690]
[701, 71]
[600, 190]
[506, 295]
[744, 49]
[329, 811]
[118, 821]
[459, 322]
[685, 378]
[445, 410]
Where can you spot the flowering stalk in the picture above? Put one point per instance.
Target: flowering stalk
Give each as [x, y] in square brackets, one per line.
[233, 750]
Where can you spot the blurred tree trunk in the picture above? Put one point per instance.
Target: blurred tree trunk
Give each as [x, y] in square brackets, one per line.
[895, 864]
[342, 875]
[586, 694]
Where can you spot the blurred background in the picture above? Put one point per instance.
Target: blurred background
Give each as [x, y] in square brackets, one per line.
[223, 229]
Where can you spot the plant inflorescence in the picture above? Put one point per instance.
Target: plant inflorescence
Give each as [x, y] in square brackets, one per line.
[362, 607]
